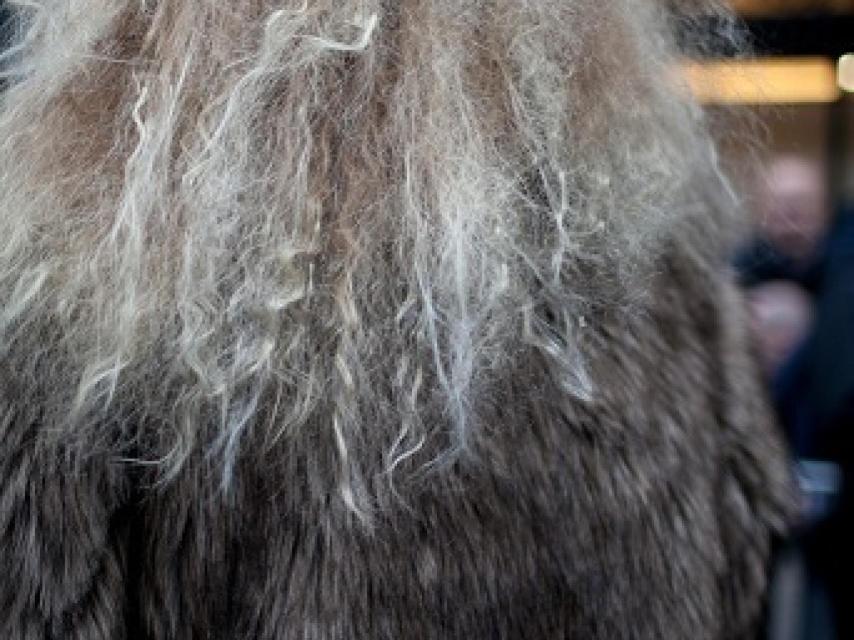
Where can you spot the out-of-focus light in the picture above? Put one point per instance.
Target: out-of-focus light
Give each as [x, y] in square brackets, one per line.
[764, 81]
[845, 72]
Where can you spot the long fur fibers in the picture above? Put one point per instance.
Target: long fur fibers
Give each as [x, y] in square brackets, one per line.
[369, 319]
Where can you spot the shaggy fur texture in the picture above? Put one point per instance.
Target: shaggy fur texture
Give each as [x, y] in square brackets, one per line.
[369, 319]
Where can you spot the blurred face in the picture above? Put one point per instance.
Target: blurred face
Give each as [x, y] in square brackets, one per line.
[781, 317]
[794, 207]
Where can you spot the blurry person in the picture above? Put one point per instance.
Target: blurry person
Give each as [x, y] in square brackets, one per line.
[793, 220]
[781, 320]
[812, 385]
[330, 319]
[794, 214]
[781, 267]
[781, 315]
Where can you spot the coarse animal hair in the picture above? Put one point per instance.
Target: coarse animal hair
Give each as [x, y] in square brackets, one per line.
[327, 319]
[353, 209]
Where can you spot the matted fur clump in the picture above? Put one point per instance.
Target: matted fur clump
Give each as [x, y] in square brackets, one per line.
[306, 299]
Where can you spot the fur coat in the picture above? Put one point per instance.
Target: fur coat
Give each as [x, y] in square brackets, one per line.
[363, 319]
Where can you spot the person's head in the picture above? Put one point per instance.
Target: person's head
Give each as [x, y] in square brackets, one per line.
[794, 207]
[781, 318]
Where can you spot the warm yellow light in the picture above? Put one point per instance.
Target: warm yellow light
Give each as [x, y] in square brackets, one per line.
[765, 81]
[845, 72]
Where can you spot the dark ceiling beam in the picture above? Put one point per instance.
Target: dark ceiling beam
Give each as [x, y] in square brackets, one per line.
[825, 35]
[807, 35]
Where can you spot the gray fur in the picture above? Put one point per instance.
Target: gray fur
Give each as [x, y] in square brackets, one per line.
[370, 319]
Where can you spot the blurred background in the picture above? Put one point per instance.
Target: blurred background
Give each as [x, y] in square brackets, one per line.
[783, 108]
[782, 104]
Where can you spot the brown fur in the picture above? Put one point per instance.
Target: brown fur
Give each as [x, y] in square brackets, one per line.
[370, 319]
